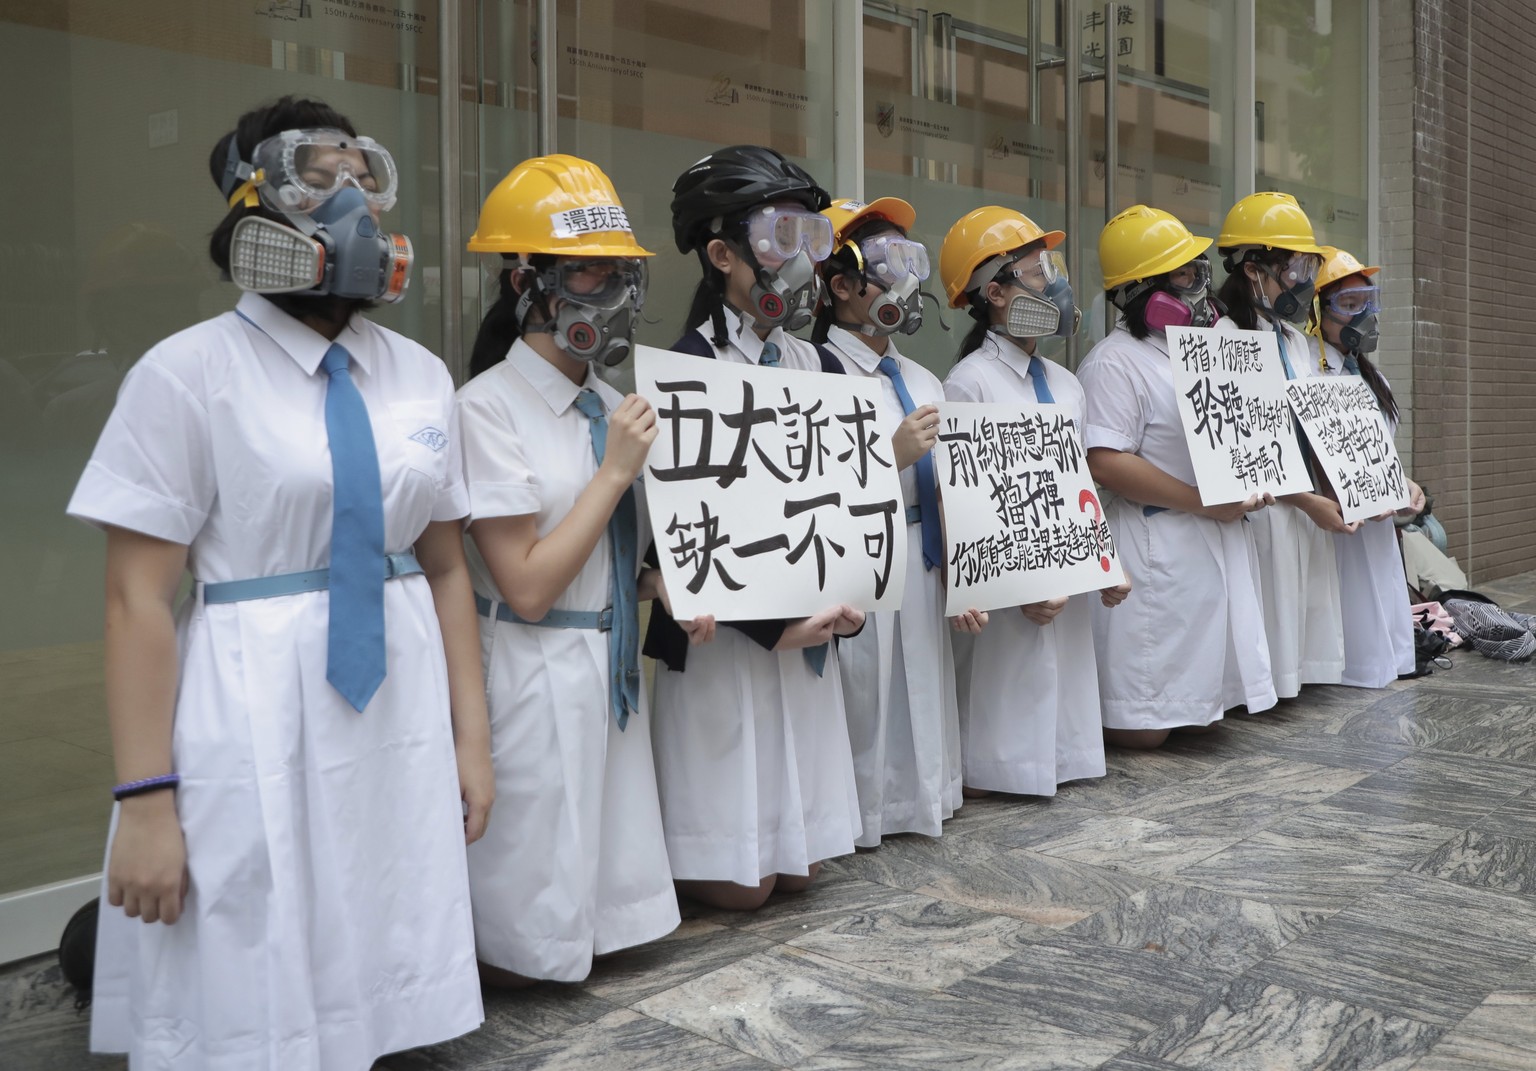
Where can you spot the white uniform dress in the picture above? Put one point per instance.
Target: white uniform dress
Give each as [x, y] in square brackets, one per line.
[1029, 694]
[1302, 616]
[1378, 627]
[573, 862]
[327, 920]
[899, 673]
[752, 753]
[1188, 643]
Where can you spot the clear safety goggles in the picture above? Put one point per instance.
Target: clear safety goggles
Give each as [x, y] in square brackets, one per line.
[1192, 279]
[776, 233]
[889, 258]
[598, 282]
[1353, 301]
[1036, 270]
[297, 170]
[1300, 270]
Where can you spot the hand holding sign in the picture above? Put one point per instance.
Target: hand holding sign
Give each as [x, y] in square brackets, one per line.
[1353, 445]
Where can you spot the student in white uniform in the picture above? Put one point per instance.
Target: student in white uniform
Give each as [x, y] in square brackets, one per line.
[1029, 691]
[1189, 642]
[1272, 257]
[1378, 628]
[574, 863]
[751, 741]
[899, 673]
[318, 695]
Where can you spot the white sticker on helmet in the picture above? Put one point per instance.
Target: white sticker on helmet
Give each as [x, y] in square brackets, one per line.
[574, 222]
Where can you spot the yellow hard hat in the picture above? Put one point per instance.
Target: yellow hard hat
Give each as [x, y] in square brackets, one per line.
[979, 236]
[846, 213]
[555, 204]
[1339, 264]
[1273, 220]
[1142, 242]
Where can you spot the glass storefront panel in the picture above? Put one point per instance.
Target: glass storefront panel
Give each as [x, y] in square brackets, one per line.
[1311, 128]
[113, 110]
[647, 87]
[968, 107]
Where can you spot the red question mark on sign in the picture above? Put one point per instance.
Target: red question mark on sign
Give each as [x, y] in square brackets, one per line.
[1098, 517]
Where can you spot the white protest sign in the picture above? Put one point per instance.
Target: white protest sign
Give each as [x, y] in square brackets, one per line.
[1350, 438]
[770, 492]
[1230, 387]
[1021, 520]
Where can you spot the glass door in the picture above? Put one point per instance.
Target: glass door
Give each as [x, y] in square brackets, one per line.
[1009, 104]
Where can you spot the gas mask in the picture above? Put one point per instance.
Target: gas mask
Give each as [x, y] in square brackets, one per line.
[783, 244]
[898, 266]
[600, 302]
[1297, 281]
[787, 295]
[1184, 300]
[1355, 309]
[324, 185]
[1044, 304]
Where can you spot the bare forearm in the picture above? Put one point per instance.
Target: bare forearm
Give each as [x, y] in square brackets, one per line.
[535, 578]
[453, 597]
[141, 670]
[1139, 480]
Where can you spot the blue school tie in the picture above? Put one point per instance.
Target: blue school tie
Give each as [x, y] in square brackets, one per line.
[624, 637]
[815, 657]
[927, 484]
[355, 632]
[1285, 360]
[1037, 380]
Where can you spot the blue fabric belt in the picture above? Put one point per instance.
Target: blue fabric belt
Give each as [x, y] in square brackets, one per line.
[602, 620]
[1152, 511]
[914, 514]
[270, 587]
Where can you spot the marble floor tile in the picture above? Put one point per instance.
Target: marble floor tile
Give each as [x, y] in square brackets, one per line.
[1197, 927]
[1251, 1026]
[1485, 860]
[1121, 842]
[1320, 859]
[513, 1019]
[951, 941]
[40, 1028]
[1047, 893]
[1416, 719]
[625, 1040]
[1420, 947]
[904, 862]
[696, 947]
[1517, 818]
[1090, 988]
[1131, 775]
[959, 1035]
[1437, 788]
[1507, 1016]
[1018, 821]
[832, 898]
[1243, 797]
[781, 1005]
[1133, 1061]
[1512, 738]
[1459, 1051]
[1324, 749]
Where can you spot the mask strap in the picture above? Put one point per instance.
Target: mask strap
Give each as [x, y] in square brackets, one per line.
[240, 178]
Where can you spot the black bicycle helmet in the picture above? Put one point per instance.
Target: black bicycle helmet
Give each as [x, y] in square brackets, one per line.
[731, 181]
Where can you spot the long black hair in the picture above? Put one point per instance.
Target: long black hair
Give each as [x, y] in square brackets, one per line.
[501, 327]
[845, 261]
[1370, 373]
[1236, 293]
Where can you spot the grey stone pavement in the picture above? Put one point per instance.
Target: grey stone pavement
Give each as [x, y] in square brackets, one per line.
[1346, 882]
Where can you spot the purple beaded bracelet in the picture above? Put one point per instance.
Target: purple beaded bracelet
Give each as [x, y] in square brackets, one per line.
[149, 784]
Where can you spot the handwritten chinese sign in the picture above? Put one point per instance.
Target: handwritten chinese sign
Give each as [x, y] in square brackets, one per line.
[1022, 523]
[771, 493]
[1230, 387]
[1353, 446]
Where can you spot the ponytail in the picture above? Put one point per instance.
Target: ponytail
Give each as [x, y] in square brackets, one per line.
[1378, 384]
[977, 334]
[498, 330]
